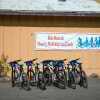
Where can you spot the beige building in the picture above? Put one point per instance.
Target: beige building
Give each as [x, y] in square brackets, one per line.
[17, 35]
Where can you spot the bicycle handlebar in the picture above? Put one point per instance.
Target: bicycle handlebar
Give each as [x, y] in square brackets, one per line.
[75, 60]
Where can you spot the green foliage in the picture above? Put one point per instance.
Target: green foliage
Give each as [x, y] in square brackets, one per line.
[4, 65]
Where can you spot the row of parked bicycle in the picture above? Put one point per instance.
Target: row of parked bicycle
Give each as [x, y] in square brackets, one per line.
[53, 72]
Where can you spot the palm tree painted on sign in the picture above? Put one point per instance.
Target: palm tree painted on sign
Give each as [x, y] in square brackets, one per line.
[79, 42]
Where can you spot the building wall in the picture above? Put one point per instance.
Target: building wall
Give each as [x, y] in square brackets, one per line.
[16, 38]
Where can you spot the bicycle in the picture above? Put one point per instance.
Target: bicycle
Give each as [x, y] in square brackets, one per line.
[36, 76]
[19, 76]
[41, 82]
[76, 74]
[58, 77]
[31, 72]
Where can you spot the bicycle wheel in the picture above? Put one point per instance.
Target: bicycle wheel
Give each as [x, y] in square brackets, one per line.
[25, 82]
[60, 80]
[41, 81]
[48, 77]
[84, 80]
[33, 79]
[71, 81]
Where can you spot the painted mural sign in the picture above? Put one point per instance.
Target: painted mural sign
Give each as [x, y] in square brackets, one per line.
[66, 41]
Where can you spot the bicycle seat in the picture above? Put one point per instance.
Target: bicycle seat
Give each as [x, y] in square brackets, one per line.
[13, 64]
[34, 59]
[28, 63]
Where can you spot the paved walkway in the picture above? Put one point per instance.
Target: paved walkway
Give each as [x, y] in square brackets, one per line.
[52, 93]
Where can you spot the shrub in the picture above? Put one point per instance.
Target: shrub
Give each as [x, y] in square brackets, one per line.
[4, 68]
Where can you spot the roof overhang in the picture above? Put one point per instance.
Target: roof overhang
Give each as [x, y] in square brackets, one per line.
[50, 13]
